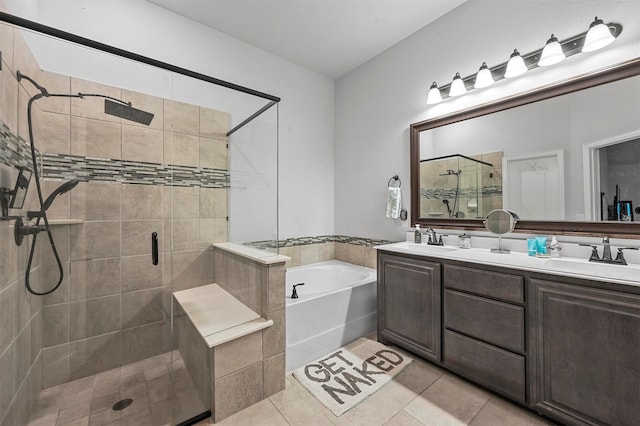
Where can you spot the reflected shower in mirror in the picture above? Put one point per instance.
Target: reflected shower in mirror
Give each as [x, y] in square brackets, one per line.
[457, 186]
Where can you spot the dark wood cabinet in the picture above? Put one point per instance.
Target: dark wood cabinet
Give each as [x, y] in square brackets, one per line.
[566, 347]
[484, 321]
[409, 304]
[585, 347]
[500, 370]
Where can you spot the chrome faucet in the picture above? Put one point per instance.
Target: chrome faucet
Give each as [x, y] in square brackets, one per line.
[606, 250]
[433, 238]
[432, 235]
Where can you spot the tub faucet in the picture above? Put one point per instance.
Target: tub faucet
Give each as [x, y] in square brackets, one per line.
[294, 295]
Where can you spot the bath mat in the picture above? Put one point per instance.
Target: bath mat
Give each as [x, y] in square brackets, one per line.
[343, 378]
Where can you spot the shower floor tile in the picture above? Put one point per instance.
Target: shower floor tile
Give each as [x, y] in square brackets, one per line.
[89, 401]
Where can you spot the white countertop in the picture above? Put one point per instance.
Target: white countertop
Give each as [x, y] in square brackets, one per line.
[564, 266]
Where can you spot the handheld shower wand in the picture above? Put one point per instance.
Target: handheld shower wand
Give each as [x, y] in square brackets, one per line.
[446, 202]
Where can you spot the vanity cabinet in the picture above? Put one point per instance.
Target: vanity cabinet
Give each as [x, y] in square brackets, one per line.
[566, 347]
[409, 304]
[484, 328]
[585, 347]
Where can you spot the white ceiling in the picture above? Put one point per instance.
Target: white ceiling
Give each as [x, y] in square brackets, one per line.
[331, 37]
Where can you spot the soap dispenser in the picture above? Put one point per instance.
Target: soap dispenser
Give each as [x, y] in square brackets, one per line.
[417, 235]
[554, 247]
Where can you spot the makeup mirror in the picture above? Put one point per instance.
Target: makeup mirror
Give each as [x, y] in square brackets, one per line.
[500, 222]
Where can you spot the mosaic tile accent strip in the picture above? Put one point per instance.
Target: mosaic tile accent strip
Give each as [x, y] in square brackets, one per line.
[62, 166]
[14, 151]
[302, 241]
[441, 193]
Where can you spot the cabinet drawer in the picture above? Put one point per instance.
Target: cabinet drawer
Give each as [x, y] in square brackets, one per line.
[485, 283]
[495, 322]
[492, 367]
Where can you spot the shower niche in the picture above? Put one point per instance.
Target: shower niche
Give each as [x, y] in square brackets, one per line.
[460, 187]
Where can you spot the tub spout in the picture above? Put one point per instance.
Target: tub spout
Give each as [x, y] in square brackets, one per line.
[294, 295]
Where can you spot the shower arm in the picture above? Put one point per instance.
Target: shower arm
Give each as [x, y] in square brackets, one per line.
[45, 93]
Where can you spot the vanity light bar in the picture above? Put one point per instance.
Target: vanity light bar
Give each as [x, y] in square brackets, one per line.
[514, 67]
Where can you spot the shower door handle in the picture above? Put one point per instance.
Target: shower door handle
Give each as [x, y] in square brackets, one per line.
[154, 248]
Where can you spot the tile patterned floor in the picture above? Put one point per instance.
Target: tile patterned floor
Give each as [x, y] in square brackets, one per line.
[422, 394]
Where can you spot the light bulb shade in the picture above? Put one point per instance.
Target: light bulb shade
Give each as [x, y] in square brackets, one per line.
[598, 36]
[434, 96]
[515, 66]
[484, 77]
[552, 53]
[457, 86]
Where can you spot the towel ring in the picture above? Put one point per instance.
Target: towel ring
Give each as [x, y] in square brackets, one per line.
[396, 178]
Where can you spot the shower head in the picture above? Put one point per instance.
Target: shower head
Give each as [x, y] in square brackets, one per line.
[126, 111]
[446, 202]
[65, 187]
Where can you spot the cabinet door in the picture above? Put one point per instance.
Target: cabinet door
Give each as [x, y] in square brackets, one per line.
[409, 304]
[585, 363]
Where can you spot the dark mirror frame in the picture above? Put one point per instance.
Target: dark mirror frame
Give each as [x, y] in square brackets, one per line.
[614, 229]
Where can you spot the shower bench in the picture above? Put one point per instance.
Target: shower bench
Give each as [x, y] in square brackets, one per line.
[220, 341]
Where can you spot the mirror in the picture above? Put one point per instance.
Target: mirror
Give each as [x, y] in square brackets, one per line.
[546, 155]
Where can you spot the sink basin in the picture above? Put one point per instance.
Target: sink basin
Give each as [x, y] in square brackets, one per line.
[594, 269]
[413, 248]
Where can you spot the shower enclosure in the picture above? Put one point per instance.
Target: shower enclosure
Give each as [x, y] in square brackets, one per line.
[457, 186]
[137, 223]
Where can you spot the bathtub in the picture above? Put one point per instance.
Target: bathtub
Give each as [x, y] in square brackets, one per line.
[336, 305]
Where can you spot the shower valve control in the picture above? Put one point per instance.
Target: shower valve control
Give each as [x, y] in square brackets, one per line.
[20, 230]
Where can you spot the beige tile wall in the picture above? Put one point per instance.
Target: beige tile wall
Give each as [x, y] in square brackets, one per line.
[113, 308]
[253, 367]
[311, 253]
